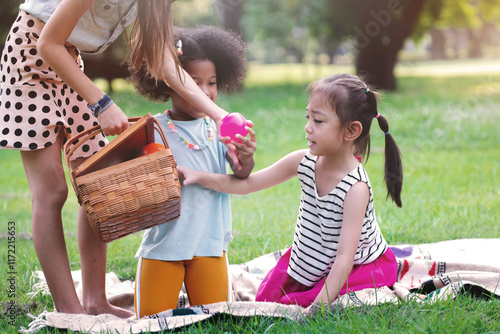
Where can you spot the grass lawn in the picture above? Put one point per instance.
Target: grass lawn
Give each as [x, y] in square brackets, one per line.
[444, 117]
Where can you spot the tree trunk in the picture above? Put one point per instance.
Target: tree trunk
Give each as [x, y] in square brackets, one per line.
[376, 67]
[438, 44]
[475, 47]
[8, 13]
[380, 38]
[107, 65]
[230, 13]
[104, 66]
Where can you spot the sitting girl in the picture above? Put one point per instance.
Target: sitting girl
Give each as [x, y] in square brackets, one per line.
[338, 246]
[192, 249]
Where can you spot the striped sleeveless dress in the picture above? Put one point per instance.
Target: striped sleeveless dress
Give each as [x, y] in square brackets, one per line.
[319, 222]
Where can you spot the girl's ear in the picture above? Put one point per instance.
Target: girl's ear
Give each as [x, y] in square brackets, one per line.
[353, 131]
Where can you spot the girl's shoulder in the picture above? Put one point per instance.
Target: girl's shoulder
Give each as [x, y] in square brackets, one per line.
[307, 160]
[296, 157]
[359, 174]
[289, 163]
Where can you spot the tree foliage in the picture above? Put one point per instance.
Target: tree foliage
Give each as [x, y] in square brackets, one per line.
[465, 14]
[378, 27]
[441, 18]
[293, 30]
[188, 13]
[278, 25]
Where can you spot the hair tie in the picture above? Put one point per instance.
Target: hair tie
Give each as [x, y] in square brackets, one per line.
[386, 133]
[367, 90]
[179, 47]
[378, 115]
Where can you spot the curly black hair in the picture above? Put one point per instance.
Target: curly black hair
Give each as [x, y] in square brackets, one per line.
[224, 48]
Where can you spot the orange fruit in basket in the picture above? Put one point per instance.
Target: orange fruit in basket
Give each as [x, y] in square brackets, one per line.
[151, 148]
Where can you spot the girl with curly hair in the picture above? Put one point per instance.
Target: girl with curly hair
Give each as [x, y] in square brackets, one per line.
[192, 249]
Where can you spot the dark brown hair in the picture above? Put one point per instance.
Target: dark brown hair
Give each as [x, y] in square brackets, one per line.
[352, 101]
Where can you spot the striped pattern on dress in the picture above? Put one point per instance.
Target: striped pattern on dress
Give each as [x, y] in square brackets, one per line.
[319, 222]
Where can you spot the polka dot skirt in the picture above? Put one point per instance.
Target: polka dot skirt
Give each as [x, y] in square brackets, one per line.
[35, 104]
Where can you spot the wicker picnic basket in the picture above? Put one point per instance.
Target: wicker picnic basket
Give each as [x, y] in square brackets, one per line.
[120, 192]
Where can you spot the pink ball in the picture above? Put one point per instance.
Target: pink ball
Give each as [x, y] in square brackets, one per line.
[233, 124]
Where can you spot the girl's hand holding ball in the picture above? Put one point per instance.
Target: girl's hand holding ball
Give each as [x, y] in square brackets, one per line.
[233, 124]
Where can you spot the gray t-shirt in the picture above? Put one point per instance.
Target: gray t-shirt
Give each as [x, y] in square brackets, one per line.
[111, 16]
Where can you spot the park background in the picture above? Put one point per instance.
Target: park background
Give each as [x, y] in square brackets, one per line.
[437, 64]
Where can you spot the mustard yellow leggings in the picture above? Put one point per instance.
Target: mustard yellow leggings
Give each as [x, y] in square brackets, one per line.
[158, 283]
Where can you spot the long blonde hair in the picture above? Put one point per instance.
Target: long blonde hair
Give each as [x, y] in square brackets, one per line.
[152, 37]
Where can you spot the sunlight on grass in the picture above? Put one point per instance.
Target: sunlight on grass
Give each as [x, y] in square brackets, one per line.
[273, 74]
[259, 74]
[444, 68]
[487, 88]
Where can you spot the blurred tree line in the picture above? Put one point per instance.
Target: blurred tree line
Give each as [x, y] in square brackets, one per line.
[371, 32]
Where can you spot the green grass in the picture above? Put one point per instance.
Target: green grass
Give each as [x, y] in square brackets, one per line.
[444, 117]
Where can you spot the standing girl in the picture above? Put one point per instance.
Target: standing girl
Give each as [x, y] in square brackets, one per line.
[338, 246]
[45, 98]
[192, 249]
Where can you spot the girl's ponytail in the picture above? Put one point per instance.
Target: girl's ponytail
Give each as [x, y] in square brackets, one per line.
[393, 170]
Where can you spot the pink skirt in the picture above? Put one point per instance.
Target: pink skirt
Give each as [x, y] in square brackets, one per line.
[36, 106]
[279, 287]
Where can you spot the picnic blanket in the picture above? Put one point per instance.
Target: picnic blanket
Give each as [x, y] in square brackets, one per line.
[426, 273]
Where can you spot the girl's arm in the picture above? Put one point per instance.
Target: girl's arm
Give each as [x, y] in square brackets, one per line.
[355, 203]
[51, 46]
[279, 172]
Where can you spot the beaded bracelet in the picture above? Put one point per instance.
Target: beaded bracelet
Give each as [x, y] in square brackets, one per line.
[101, 105]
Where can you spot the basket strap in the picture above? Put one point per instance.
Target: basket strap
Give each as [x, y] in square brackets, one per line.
[81, 137]
[94, 131]
[84, 136]
[158, 128]
[68, 152]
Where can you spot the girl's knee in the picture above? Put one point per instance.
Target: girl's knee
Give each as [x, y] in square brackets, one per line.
[53, 196]
[46, 178]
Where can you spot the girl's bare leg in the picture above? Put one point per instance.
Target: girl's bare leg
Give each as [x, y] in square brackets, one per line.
[45, 174]
[93, 261]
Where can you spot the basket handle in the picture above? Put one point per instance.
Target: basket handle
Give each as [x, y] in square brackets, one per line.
[91, 132]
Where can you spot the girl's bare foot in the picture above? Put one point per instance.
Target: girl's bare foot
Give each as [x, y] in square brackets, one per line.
[107, 308]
